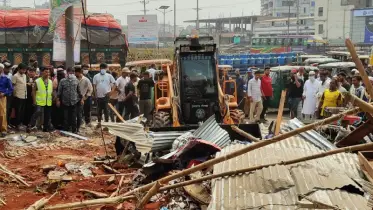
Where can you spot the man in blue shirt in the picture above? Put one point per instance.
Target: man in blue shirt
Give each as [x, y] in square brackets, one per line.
[6, 89]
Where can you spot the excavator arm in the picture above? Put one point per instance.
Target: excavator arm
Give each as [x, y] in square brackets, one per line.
[224, 102]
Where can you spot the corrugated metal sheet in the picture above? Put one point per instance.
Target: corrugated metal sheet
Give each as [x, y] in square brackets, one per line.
[163, 140]
[312, 136]
[278, 187]
[212, 132]
[133, 132]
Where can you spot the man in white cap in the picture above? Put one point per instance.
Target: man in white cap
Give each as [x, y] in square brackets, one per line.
[121, 84]
[309, 96]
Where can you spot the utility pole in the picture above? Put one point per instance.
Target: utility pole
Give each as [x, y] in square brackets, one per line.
[197, 9]
[197, 25]
[163, 9]
[289, 20]
[69, 23]
[145, 2]
[174, 19]
[297, 2]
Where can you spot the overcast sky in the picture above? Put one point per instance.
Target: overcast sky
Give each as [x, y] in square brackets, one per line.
[121, 8]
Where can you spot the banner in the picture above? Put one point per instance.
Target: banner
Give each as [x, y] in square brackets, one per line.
[142, 29]
[57, 24]
[368, 35]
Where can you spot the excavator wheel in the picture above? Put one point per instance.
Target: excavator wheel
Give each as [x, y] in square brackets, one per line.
[237, 115]
[162, 119]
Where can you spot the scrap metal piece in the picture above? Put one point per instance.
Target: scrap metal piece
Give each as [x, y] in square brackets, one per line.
[212, 132]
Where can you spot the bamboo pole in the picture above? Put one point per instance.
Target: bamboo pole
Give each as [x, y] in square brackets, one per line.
[17, 177]
[359, 66]
[2, 201]
[115, 193]
[148, 195]
[361, 147]
[280, 112]
[366, 107]
[244, 134]
[85, 204]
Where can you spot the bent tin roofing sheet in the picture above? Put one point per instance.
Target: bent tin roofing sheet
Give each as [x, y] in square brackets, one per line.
[278, 187]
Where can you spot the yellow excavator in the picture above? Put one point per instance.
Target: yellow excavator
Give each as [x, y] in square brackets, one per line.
[194, 88]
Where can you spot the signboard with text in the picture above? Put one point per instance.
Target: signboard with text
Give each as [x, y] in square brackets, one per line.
[368, 35]
[363, 12]
[142, 29]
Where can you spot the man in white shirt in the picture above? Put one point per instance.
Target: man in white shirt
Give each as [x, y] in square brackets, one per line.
[324, 84]
[19, 81]
[254, 93]
[152, 71]
[121, 84]
[102, 86]
[86, 89]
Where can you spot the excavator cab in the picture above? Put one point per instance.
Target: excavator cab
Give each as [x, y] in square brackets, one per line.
[194, 91]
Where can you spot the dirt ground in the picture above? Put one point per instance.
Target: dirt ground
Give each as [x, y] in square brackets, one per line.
[27, 161]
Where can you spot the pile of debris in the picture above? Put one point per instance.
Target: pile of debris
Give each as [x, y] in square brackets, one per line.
[294, 167]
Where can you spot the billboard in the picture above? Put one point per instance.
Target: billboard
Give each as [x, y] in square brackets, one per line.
[142, 29]
[368, 34]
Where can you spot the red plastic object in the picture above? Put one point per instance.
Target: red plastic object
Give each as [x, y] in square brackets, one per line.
[350, 118]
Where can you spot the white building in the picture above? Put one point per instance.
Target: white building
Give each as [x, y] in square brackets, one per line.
[275, 27]
[333, 18]
[280, 8]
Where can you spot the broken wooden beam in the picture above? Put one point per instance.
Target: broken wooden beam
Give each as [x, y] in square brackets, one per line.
[244, 134]
[148, 195]
[356, 135]
[280, 112]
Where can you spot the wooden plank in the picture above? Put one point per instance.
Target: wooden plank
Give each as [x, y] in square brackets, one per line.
[280, 111]
[364, 162]
[116, 112]
[356, 135]
[359, 65]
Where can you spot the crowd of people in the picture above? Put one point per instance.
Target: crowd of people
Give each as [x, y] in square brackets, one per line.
[313, 96]
[48, 98]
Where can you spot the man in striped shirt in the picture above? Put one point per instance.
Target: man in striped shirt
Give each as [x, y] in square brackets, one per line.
[254, 93]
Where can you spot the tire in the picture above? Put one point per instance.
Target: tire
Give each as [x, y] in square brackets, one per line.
[237, 115]
[162, 119]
